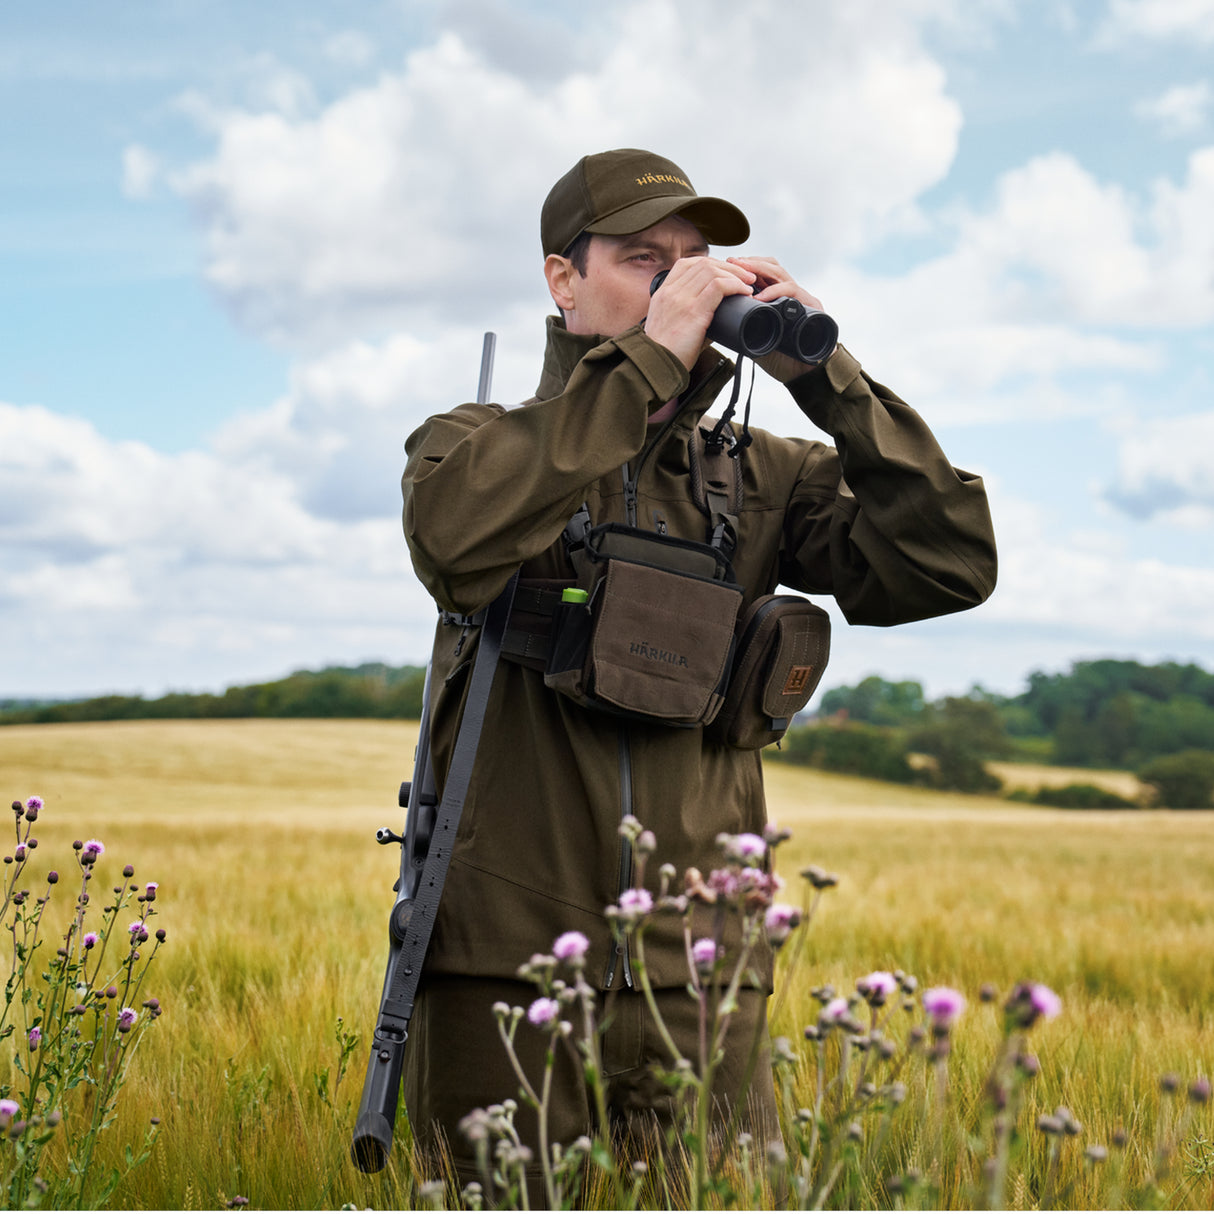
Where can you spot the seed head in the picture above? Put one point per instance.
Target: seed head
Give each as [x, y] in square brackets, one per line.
[819, 878]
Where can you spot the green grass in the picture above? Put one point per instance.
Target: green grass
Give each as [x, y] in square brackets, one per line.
[275, 899]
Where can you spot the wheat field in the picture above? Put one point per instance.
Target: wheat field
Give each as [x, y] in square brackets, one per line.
[275, 898]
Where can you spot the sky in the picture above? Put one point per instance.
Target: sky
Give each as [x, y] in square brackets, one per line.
[246, 249]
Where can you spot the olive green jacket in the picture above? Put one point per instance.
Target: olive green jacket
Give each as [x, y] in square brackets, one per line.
[881, 521]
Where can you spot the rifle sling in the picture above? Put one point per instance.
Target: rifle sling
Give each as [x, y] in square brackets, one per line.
[397, 1008]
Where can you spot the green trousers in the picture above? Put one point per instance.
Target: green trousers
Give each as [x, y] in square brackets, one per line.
[456, 1062]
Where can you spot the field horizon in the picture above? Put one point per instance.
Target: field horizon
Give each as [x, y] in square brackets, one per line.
[275, 899]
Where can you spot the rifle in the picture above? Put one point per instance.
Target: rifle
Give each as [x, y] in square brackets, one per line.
[423, 870]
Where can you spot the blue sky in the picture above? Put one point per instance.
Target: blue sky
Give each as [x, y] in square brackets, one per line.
[245, 249]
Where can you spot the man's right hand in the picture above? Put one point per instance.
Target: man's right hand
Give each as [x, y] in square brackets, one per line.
[682, 308]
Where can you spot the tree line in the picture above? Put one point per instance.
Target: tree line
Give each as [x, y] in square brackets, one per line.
[370, 690]
[1157, 721]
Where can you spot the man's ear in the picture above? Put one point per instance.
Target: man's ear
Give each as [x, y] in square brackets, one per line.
[559, 272]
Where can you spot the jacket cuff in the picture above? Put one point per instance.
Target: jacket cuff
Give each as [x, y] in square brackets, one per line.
[819, 391]
[665, 373]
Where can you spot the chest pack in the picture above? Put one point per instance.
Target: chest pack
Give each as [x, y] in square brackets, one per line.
[656, 628]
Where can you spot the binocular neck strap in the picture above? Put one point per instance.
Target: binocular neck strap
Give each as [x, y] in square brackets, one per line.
[715, 441]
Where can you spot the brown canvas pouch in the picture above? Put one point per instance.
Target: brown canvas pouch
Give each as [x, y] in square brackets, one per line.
[652, 642]
[782, 650]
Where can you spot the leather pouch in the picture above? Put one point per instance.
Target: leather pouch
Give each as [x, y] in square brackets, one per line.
[655, 638]
[783, 644]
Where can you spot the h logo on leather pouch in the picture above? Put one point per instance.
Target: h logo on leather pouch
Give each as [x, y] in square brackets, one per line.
[798, 679]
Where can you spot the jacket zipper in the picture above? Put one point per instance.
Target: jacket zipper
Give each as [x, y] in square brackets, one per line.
[624, 879]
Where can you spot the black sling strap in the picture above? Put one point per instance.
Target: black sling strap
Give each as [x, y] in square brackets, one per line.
[398, 1006]
[412, 922]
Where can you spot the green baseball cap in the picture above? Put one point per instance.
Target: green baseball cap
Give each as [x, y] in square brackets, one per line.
[627, 190]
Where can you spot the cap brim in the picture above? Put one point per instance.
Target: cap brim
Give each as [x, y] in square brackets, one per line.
[719, 222]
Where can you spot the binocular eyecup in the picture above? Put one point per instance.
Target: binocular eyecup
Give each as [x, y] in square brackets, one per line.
[747, 326]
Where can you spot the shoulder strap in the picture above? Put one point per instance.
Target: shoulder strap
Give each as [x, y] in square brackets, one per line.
[716, 483]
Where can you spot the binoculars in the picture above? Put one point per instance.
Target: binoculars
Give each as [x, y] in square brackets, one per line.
[746, 326]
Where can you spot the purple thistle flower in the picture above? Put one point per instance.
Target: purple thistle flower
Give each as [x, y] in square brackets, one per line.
[34, 803]
[90, 939]
[877, 987]
[705, 952]
[544, 1013]
[836, 1010]
[571, 947]
[636, 902]
[35, 1037]
[779, 920]
[126, 1019]
[1030, 1002]
[92, 850]
[723, 882]
[943, 1005]
[139, 931]
[8, 1110]
[1045, 1001]
[745, 847]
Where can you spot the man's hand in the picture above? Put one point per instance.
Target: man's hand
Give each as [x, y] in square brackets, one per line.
[682, 307]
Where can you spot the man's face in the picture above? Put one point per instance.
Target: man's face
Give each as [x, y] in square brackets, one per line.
[614, 294]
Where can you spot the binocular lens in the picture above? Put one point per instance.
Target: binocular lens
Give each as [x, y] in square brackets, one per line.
[745, 325]
[815, 337]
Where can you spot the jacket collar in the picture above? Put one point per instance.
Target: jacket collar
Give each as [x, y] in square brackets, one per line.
[562, 353]
[564, 350]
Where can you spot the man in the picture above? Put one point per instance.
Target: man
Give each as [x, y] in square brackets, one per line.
[881, 520]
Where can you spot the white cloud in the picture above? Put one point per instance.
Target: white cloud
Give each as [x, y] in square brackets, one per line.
[1161, 19]
[1093, 588]
[1181, 110]
[350, 48]
[396, 205]
[128, 567]
[1163, 472]
[140, 171]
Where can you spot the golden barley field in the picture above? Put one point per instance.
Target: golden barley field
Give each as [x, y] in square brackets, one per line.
[275, 898]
